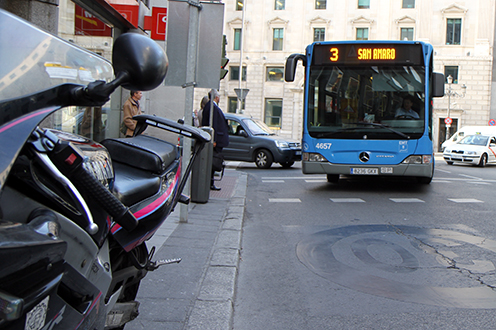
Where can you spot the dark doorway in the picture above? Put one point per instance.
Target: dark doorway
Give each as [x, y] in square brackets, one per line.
[442, 131]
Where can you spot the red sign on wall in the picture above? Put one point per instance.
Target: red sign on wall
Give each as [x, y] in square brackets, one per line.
[129, 12]
[159, 23]
[88, 25]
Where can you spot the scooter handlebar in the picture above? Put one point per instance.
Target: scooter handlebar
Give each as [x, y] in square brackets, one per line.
[114, 207]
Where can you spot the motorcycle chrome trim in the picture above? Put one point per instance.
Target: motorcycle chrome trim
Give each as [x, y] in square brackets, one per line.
[92, 227]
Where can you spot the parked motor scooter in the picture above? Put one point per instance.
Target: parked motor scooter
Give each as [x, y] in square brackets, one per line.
[75, 214]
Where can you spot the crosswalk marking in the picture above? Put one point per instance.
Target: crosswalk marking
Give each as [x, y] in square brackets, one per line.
[347, 200]
[284, 200]
[406, 200]
[465, 200]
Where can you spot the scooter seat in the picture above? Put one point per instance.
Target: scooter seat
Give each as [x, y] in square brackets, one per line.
[132, 185]
[143, 152]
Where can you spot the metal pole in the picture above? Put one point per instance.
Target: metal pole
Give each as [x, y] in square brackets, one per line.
[191, 59]
[242, 37]
[449, 103]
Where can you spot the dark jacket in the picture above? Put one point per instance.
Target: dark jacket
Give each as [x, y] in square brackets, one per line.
[219, 124]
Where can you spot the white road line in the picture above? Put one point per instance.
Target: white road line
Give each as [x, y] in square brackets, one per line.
[315, 181]
[444, 171]
[407, 200]
[465, 200]
[478, 182]
[347, 200]
[273, 181]
[441, 181]
[284, 200]
[470, 177]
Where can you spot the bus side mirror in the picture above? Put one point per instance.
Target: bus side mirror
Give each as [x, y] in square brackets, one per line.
[291, 63]
[437, 84]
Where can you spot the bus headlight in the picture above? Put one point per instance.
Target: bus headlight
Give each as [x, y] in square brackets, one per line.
[418, 159]
[311, 157]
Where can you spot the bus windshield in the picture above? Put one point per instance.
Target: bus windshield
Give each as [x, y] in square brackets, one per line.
[372, 102]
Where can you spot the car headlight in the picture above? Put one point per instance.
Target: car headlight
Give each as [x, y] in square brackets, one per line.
[281, 144]
[448, 151]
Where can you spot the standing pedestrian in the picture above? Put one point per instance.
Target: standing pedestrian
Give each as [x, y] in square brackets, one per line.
[219, 125]
[131, 108]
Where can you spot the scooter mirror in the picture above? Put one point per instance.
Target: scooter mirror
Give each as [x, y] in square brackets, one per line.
[142, 61]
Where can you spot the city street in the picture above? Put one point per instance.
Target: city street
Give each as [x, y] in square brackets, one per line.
[367, 253]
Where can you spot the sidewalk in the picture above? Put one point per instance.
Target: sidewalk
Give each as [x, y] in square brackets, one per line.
[197, 293]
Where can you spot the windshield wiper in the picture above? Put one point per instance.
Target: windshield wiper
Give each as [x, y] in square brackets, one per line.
[330, 134]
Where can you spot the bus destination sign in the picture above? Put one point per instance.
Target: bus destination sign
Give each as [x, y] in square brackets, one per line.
[404, 54]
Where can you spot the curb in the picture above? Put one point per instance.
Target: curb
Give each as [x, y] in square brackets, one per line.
[213, 308]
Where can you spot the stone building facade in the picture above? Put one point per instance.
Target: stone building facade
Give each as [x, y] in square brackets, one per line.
[461, 32]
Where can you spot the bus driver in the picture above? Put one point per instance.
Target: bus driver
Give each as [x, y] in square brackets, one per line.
[406, 110]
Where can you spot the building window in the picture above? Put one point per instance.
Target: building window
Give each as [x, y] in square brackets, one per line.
[408, 4]
[273, 112]
[318, 34]
[362, 34]
[453, 31]
[234, 70]
[233, 104]
[278, 38]
[406, 34]
[239, 4]
[363, 4]
[279, 4]
[275, 74]
[237, 39]
[320, 4]
[451, 71]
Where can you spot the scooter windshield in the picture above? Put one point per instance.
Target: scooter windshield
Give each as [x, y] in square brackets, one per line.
[33, 60]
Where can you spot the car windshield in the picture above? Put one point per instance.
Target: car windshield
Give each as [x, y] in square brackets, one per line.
[257, 127]
[478, 140]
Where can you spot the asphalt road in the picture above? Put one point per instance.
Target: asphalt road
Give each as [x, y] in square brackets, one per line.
[368, 253]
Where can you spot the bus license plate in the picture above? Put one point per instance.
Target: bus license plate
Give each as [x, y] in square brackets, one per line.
[364, 171]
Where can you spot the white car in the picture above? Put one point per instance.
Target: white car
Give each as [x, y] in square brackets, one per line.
[472, 149]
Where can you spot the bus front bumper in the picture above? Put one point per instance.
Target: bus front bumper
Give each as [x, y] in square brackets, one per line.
[413, 170]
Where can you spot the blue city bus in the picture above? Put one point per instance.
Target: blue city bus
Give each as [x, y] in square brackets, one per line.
[368, 108]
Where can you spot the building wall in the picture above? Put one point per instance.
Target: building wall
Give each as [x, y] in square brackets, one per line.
[384, 18]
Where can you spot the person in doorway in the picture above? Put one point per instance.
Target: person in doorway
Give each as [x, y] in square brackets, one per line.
[131, 108]
[406, 110]
[219, 124]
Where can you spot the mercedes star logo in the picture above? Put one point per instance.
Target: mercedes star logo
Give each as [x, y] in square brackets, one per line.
[364, 157]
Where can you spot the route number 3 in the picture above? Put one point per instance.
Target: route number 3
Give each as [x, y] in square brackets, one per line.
[334, 54]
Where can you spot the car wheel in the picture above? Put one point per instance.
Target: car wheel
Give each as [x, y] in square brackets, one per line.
[332, 178]
[449, 163]
[483, 160]
[263, 159]
[287, 164]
